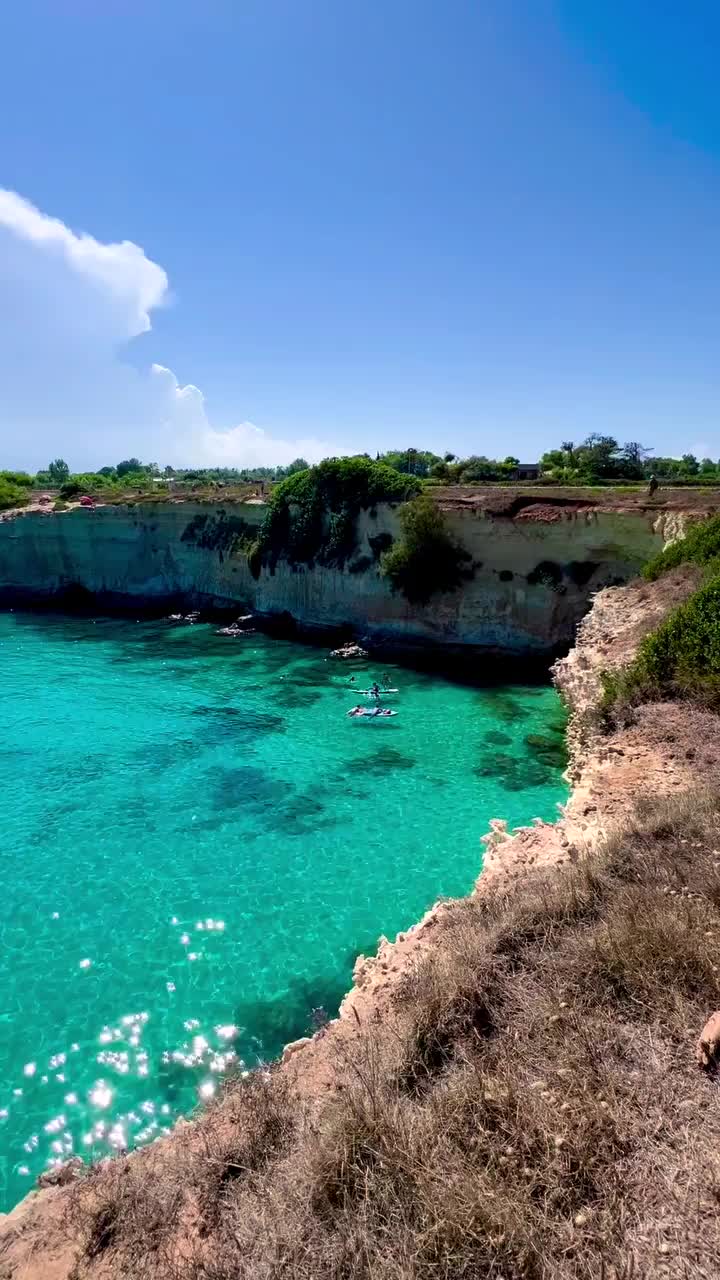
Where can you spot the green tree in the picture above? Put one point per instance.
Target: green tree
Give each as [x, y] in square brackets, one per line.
[410, 462]
[128, 466]
[637, 454]
[690, 465]
[553, 460]
[312, 514]
[58, 470]
[440, 470]
[477, 468]
[425, 560]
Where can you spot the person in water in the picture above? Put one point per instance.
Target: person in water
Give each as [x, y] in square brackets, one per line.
[387, 680]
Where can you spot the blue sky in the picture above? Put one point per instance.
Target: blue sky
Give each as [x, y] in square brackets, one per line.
[484, 225]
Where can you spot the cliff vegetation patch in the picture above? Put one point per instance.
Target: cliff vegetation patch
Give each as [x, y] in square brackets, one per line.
[681, 658]
[701, 545]
[547, 573]
[220, 531]
[312, 516]
[425, 561]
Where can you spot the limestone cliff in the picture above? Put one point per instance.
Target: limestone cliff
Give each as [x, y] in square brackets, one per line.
[533, 570]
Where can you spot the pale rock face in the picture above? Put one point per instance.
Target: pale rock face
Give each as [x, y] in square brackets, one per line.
[531, 584]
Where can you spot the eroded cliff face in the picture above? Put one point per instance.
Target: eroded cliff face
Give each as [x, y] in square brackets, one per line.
[531, 580]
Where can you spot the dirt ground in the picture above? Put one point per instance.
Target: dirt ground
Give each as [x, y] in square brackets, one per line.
[547, 502]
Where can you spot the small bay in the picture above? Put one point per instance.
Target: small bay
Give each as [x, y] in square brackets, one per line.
[197, 842]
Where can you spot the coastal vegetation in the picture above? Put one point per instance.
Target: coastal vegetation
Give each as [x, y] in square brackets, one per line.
[425, 560]
[312, 518]
[525, 1107]
[597, 461]
[312, 515]
[701, 545]
[681, 657]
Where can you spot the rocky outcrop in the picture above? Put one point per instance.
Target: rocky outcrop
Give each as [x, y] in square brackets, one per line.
[533, 570]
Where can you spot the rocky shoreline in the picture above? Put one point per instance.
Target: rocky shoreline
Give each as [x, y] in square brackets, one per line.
[667, 750]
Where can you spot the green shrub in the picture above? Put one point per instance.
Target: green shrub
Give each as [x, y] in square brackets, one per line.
[12, 495]
[312, 515]
[700, 546]
[688, 642]
[680, 659]
[425, 560]
[19, 478]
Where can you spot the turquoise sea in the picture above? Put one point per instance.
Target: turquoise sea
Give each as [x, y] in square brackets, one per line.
[196, 845]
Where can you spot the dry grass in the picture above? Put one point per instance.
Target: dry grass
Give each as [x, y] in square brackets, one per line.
[533, 1109]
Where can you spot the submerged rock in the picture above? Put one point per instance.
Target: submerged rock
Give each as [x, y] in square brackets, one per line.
[349, 651]
[238, 628]
[185, 617]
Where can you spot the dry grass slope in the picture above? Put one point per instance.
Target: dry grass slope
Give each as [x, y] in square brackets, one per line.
[533, 1109]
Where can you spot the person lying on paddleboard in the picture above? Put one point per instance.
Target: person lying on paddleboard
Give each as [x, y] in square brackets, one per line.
[370, 712]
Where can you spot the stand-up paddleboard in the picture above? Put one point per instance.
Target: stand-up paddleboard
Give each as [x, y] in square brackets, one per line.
[370, 713]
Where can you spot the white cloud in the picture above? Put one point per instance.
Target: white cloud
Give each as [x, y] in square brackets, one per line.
[244, 444]
[122, 270]
[68, 305]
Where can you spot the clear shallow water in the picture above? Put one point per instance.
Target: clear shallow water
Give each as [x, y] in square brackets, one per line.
[196, 845]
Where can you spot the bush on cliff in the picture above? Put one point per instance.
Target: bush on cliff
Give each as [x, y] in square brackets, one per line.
[426, 560]
[312, 515]
[680, 659]
[701, 545]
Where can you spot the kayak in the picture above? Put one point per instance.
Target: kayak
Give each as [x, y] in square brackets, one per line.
[371, 713]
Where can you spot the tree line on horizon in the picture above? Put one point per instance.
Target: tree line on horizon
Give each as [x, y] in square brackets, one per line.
[596, 460]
